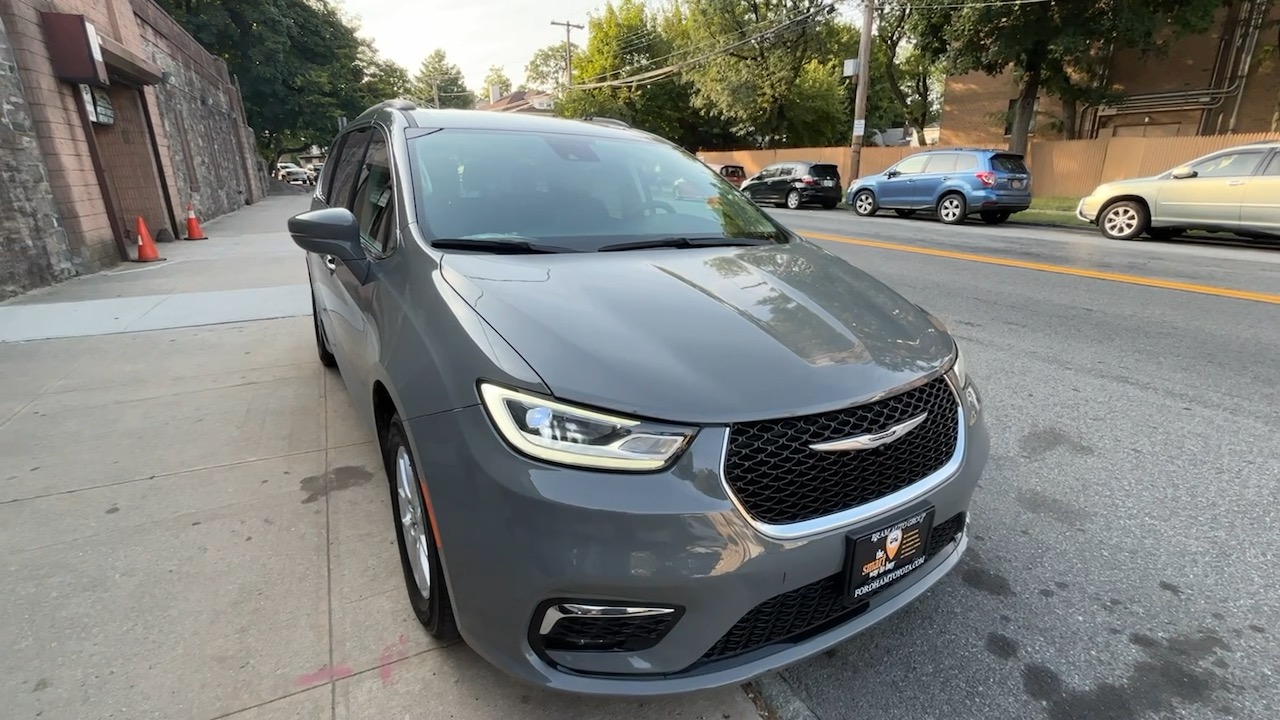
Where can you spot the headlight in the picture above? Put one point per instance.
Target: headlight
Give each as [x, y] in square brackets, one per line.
[568, 435]
[968, 391]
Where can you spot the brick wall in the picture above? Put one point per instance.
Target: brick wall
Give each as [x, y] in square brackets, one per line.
[33, 242]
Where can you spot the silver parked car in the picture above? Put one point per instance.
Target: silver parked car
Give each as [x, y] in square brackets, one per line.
[633, 447]
[1234, 190]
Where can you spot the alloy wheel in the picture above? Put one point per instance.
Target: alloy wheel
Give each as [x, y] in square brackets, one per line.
[793, 200]
[863, 203]
[413, 516]
[1120, 221]
[950, 208]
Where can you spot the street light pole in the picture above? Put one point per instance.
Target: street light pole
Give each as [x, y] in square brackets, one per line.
[568, 49]
[860, 99]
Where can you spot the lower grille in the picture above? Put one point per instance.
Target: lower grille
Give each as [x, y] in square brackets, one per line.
[601, 634]
[808, 610]
[779, 480]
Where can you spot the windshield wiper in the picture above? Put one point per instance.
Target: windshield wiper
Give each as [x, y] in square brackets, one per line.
[685, 242]
[513, 245]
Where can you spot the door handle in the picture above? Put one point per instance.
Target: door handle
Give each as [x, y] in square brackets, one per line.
[1234, 183]
[331, 262]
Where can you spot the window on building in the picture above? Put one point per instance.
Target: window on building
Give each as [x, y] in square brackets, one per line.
[347, 167]
[1232, 164]
[1008, 118]
[374, 206]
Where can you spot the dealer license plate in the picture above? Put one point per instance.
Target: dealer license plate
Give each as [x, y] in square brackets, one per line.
[887, 555]
[828, 183]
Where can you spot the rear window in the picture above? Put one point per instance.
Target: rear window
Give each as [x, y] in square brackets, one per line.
[1008, 164]
[824, 171]
[734, 171]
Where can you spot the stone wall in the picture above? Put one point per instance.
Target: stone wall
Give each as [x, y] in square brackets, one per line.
[33, 242]
[212, 163]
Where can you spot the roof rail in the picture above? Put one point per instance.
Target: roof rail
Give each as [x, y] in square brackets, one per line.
[611, 122]
[399, 104]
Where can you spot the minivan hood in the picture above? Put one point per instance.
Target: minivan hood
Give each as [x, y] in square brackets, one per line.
[707, 335]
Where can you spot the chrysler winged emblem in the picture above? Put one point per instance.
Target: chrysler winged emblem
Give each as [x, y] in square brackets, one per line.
[871, 440]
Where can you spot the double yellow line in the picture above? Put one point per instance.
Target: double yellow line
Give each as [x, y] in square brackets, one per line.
[1262, 297]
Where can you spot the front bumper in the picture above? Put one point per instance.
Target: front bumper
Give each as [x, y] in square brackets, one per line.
[518, 535]
[1087, 209]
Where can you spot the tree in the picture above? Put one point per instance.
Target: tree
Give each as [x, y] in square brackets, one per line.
[497, 77]
[300, 64]
[912, 76]
[545, 70]
[757, 82]
[383, 79]
[439, 83]
[1043, 41]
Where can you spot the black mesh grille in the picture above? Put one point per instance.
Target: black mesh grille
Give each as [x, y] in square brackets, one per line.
[807, 610]
[779, 480]
[580, 634]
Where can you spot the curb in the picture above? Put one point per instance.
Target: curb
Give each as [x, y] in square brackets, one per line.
[776, 699]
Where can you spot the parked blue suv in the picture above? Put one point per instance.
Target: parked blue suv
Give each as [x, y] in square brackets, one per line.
[953, 183]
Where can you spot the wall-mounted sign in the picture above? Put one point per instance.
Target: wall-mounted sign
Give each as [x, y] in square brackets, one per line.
[74, 49]
[106, 111]
[90, 105]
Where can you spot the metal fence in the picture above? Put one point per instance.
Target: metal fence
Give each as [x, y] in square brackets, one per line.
[1061, 168]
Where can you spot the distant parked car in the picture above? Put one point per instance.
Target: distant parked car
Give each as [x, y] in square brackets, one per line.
[1234, 190]
[953, 183]
[793, 184]
[735, 175]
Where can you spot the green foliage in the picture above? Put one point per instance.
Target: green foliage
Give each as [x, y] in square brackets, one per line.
[300, 64]
[545, 70]
[497, 77]
[440, 80]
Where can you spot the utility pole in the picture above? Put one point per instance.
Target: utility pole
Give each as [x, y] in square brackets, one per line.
[568, 49]
[435, 91]
[860, 100]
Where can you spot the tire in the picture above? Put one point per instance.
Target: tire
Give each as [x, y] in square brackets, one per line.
[1124, 220]
[327, 358]
[1163, 233]
[793, 200]
[952, 209]
[864, 203]
[905, 213]
[994, 217]
[420, 554]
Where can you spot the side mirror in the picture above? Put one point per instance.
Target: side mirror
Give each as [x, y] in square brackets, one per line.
[329, 231]
[1182, 173]
[891, 173]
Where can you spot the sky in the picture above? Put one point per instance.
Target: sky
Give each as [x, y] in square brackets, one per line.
[474, 35]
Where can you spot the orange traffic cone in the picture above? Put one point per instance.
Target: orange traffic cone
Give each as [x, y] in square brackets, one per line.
[193, 225]
[146, 246]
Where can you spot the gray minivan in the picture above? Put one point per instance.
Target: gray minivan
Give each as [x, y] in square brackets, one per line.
[633, 447]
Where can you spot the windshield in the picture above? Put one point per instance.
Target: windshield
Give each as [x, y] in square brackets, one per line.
[825, 171]
[576, 192]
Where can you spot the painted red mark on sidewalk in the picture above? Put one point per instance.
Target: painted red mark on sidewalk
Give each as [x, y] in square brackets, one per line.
[398, 650]
[324, 675]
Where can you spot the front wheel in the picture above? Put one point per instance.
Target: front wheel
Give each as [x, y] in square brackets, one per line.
[1124, 220]
[793, 200]
[419, 551]
[952, 209]
[864, 203]
[994, 217]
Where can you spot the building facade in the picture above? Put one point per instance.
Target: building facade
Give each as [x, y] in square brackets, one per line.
[1202, 85]
[111, 112]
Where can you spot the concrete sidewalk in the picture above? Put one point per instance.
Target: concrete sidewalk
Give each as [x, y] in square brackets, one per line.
[194, 525]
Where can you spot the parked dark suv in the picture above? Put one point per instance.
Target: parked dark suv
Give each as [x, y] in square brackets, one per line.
[793, 184]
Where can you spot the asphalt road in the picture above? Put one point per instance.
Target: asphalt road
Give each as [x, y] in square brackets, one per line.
[1125, 560]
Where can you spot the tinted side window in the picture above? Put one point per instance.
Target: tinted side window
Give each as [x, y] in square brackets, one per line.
[941, 163]
[966, 162]
[1273, 167]
[1229, 164]
[913, 164]
[347, 167]
[373, 200]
